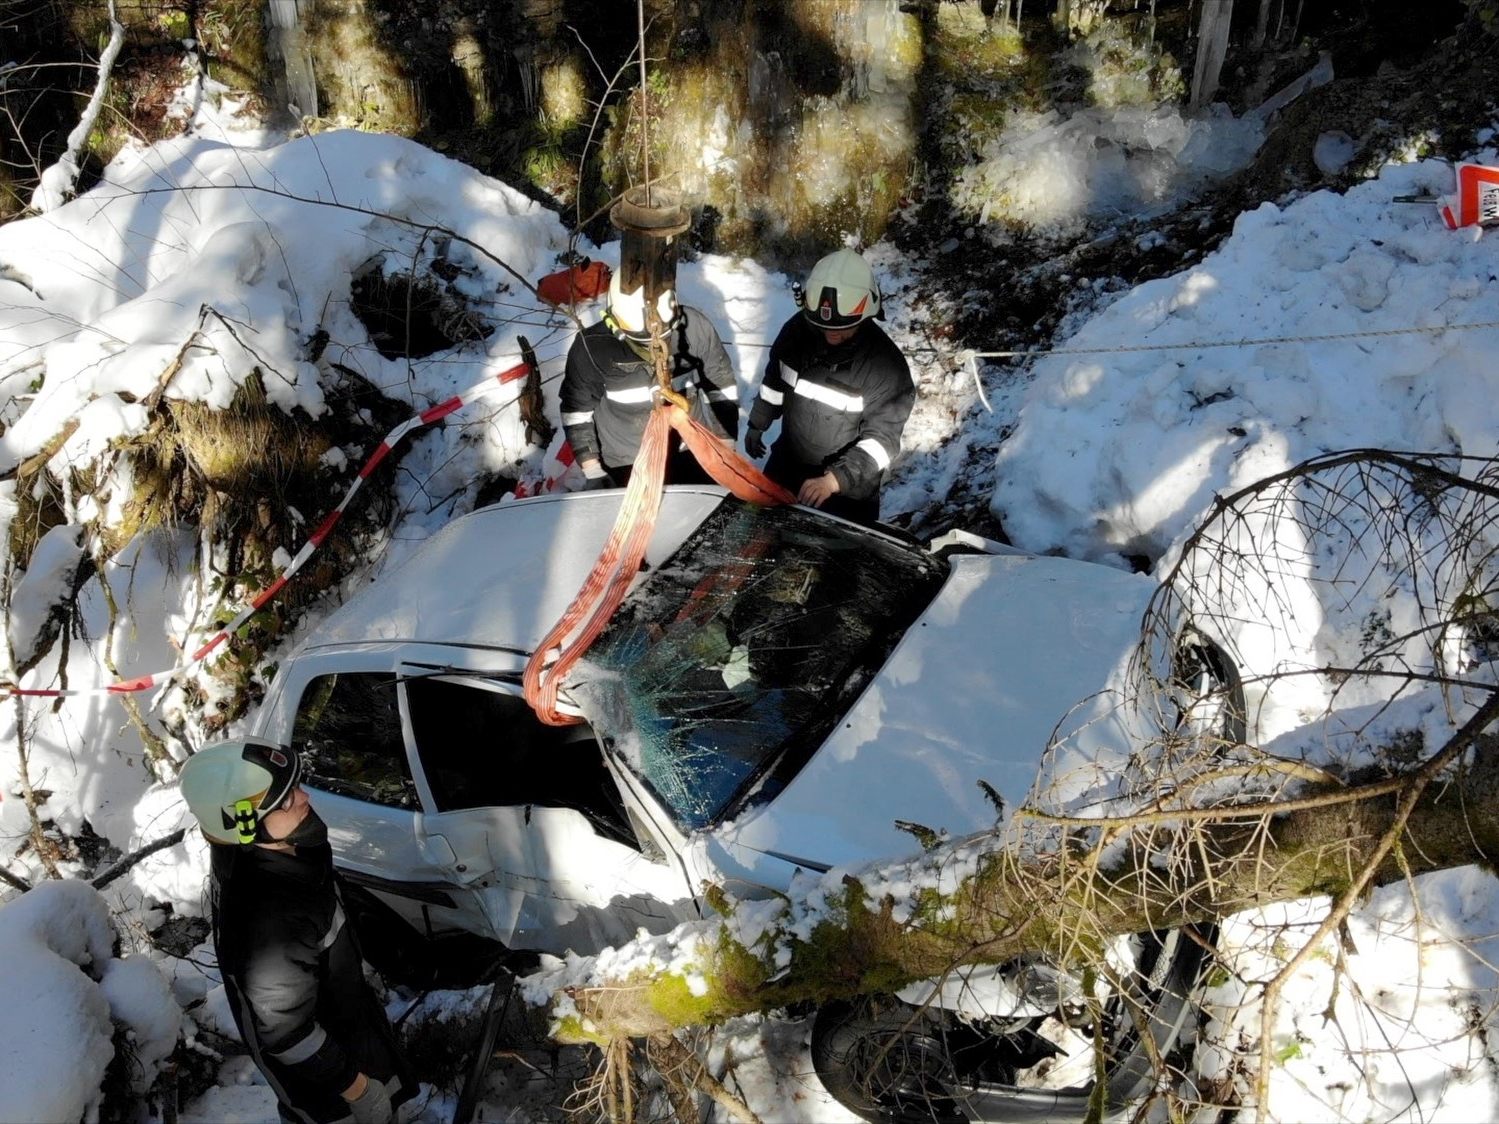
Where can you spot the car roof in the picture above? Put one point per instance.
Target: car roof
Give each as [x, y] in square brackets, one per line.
[502, 576]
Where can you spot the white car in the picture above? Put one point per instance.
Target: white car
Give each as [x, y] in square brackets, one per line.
[780, 690]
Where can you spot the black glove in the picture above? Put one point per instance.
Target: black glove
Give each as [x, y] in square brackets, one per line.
[596, 476]
[373, 1105]
[754, 443]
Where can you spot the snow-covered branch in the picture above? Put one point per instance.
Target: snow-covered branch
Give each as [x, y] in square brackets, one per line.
[59, 183]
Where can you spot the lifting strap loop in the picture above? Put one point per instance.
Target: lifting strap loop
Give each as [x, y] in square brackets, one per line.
[619, 562]
[725, 466]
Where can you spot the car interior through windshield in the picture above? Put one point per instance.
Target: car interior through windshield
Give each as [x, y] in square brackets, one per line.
[724, 670]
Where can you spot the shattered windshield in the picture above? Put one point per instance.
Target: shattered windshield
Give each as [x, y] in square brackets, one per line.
[726, 668]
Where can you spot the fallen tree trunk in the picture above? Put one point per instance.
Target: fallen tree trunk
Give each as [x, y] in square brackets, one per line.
[1093, 881]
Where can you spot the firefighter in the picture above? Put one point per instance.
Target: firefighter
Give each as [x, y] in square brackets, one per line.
[287, 956]
[842, 391]
[610, 386]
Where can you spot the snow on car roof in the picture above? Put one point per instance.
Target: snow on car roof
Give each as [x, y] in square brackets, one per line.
[502, 576]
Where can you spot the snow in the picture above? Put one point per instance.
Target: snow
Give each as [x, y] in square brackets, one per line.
[221, 249]
[43, 586]
[62, 995]
[1054, 170]
[1076, 473]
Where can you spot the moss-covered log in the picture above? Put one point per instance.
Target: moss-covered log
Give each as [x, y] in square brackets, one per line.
[1064, 900]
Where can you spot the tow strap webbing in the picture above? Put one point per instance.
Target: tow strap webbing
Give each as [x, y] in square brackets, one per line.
[619, 562]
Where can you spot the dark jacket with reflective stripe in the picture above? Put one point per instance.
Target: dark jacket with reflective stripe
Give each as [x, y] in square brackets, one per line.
[607, 389]
[842, 408]
[295, 984]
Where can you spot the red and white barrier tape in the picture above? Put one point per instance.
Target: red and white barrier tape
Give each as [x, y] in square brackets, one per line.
[554, 466]
[432, 414]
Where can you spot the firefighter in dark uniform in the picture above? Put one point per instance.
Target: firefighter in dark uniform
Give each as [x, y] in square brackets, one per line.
[290, 966]
[842, 390]
[609, 386]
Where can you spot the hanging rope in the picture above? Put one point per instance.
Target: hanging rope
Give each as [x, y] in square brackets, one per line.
[1200, 345]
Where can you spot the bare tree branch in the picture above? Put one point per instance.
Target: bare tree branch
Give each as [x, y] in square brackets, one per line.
[134, 857]
[59, 183]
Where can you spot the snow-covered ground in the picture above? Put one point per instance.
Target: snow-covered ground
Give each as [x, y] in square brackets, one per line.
[1115, 451]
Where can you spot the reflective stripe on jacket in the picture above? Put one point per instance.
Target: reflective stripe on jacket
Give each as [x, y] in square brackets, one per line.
[295, 982]
[608, 388]
[841, 408]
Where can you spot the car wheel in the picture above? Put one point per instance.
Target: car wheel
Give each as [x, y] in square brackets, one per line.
[889, 1061]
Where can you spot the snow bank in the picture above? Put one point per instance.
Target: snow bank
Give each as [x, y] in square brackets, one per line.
[61, 995]
[1121, 453]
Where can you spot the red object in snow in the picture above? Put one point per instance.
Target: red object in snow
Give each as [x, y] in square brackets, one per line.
[1477, 200]
[576, 283]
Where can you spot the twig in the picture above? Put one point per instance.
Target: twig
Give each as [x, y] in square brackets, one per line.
[1416, 784]
[59, 183]
[685, 1061]
[134, 857]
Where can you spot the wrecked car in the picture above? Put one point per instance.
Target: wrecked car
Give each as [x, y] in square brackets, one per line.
[780, 691]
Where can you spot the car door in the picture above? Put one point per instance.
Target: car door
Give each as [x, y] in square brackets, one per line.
[349, 726]
[538, 809]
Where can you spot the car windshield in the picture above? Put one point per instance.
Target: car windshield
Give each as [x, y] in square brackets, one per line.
[725, 669]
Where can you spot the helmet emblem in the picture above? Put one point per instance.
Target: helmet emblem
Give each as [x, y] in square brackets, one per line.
[278, 758]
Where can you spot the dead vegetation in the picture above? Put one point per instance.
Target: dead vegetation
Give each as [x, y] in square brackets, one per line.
[247, 480]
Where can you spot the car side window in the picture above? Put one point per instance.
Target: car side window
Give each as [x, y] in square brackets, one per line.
[483, 748]
[348, 730]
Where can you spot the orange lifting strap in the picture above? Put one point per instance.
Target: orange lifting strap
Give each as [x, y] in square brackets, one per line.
[617, 565]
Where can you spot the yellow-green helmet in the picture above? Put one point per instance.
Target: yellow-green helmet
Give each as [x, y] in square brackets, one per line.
[228, 785]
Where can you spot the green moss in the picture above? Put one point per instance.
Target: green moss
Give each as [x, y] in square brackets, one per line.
[963, 49]
[362, 81]
[570, 1030]
[907, 46]
[174, 23]
[39, 507]
[719, 900]
[232, 34]
[977, 118]
[673, 999]
[550, 169]
[804, 161]
[564, 94]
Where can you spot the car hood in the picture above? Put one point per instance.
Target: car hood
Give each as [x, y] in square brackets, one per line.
[1013, 649]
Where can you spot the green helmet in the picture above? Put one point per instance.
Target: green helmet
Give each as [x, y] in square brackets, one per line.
[841, 291]
[229, 784]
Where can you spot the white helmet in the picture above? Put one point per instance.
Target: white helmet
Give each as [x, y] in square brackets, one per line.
[227, 786]
[627, 309]
[841, 291]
